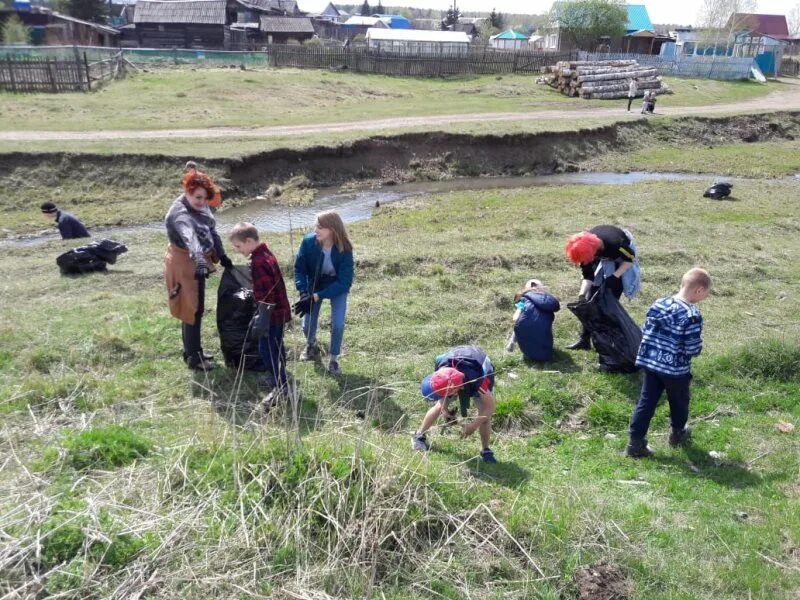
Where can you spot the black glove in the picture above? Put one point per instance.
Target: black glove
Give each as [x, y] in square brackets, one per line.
[225, 262]
[303, 306]
[200, 271]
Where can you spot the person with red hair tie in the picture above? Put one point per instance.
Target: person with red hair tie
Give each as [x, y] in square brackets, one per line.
[194, 245]
[604, 254]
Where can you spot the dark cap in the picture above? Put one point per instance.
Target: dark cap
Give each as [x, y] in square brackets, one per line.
[48, 208]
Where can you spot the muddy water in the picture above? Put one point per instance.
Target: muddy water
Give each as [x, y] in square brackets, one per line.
[358, 205]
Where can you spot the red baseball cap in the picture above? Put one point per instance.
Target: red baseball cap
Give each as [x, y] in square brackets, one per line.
[444, 383]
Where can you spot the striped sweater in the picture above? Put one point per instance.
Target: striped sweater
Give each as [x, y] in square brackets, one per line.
[670, 337]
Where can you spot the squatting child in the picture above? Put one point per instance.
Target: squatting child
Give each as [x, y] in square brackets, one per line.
[268, 287]
[671, 336]
[533, 322]
[466, 372]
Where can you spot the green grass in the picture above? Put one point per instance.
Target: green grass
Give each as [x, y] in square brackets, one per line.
[222, 97]
[230, 503]
[764, 159]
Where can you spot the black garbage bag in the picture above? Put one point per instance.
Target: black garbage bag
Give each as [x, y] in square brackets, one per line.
[718, 191]
[235, 309]
[615, 336]
[91, 257]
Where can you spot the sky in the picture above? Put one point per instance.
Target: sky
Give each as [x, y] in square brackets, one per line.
[683, 12]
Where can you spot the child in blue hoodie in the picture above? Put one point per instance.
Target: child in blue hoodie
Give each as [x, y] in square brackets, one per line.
[533, 322]
[671, 336]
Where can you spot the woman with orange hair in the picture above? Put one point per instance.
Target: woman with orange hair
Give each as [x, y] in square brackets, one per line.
[194, 245]
[604, 253]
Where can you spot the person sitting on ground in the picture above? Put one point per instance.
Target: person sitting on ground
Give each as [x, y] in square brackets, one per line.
[649, 102]
[466, 372]
[604, 254]
[69, 225]
[268, 287]
[533, 322]
[323, 269]
[671, 337]
[194, 245]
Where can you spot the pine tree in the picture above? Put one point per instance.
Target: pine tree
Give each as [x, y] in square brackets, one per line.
[379, 8]
[365, 9]
[14, 31]
[496, 19]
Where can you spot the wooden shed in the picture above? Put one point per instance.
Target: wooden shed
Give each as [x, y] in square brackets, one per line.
[286, 30]
[180, 23]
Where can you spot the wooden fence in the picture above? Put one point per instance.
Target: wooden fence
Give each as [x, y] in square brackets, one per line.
[22, 74]
[469, 62]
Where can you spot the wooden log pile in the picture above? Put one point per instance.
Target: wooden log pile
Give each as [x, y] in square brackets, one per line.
[605, 79]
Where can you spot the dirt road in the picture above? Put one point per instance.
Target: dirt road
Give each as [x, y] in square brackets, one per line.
[788, 99]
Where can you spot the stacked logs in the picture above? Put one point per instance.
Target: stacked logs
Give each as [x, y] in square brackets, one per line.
[603, 78]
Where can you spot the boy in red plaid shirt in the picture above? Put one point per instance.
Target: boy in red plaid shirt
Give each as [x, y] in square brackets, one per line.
[268, 287]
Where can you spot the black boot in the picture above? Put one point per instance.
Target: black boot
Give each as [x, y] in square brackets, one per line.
[680, 438]
[638, 449]
[583, 343]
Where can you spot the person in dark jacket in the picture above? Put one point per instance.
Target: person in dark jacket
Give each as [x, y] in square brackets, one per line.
[466, 372]
[69, 225]
[323, 269]
[269, 288]
[604, 254]
[533, 322]
[194, 245]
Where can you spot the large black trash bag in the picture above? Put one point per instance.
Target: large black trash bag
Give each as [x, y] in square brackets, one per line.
[615, 336]
[91, 257]
[235, 308]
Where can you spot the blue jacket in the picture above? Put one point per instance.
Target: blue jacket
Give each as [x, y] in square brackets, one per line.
[70, 227]
[308, 270]
[534, 328]
[473, 363]
[670, 337]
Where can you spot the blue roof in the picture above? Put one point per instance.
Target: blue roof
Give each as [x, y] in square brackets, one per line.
[394, 21]
[638, 18]
[510, 35]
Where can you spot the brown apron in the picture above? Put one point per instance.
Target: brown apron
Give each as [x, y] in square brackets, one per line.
[182, 288]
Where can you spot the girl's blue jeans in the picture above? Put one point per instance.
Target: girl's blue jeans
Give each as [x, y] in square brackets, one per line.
[338, 312]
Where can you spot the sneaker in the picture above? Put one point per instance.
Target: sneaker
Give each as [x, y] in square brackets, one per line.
[333, 368]
[638, 449]
[678, 438]
[419, 442]
[487, 456]
[310, 352]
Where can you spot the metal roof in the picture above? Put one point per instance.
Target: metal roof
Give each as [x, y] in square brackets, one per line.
[287, 7]
[98, 26]
[417, 35]
[200, 12]
[286, 24]
[510, 34]
[638, 19]
[770, 25]
[361, 21]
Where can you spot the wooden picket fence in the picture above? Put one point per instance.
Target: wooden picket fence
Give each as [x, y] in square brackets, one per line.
[363, 60]
[24, 74]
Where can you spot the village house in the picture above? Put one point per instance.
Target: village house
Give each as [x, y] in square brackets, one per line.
[286, 30]
[53, 28]
[640, 35]
[180, 23]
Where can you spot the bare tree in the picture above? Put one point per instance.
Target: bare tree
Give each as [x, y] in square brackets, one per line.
[793, 20]
[722, 20]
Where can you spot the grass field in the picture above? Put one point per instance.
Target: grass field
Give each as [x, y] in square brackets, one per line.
[222, 97]
[123, 474]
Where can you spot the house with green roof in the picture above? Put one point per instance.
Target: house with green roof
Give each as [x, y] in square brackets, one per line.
[640, 34]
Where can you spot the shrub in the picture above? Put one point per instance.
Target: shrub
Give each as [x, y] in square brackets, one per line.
[106, 447]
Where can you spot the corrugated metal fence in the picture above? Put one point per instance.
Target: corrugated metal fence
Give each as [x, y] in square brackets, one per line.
[362, 60]
[708, 67]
